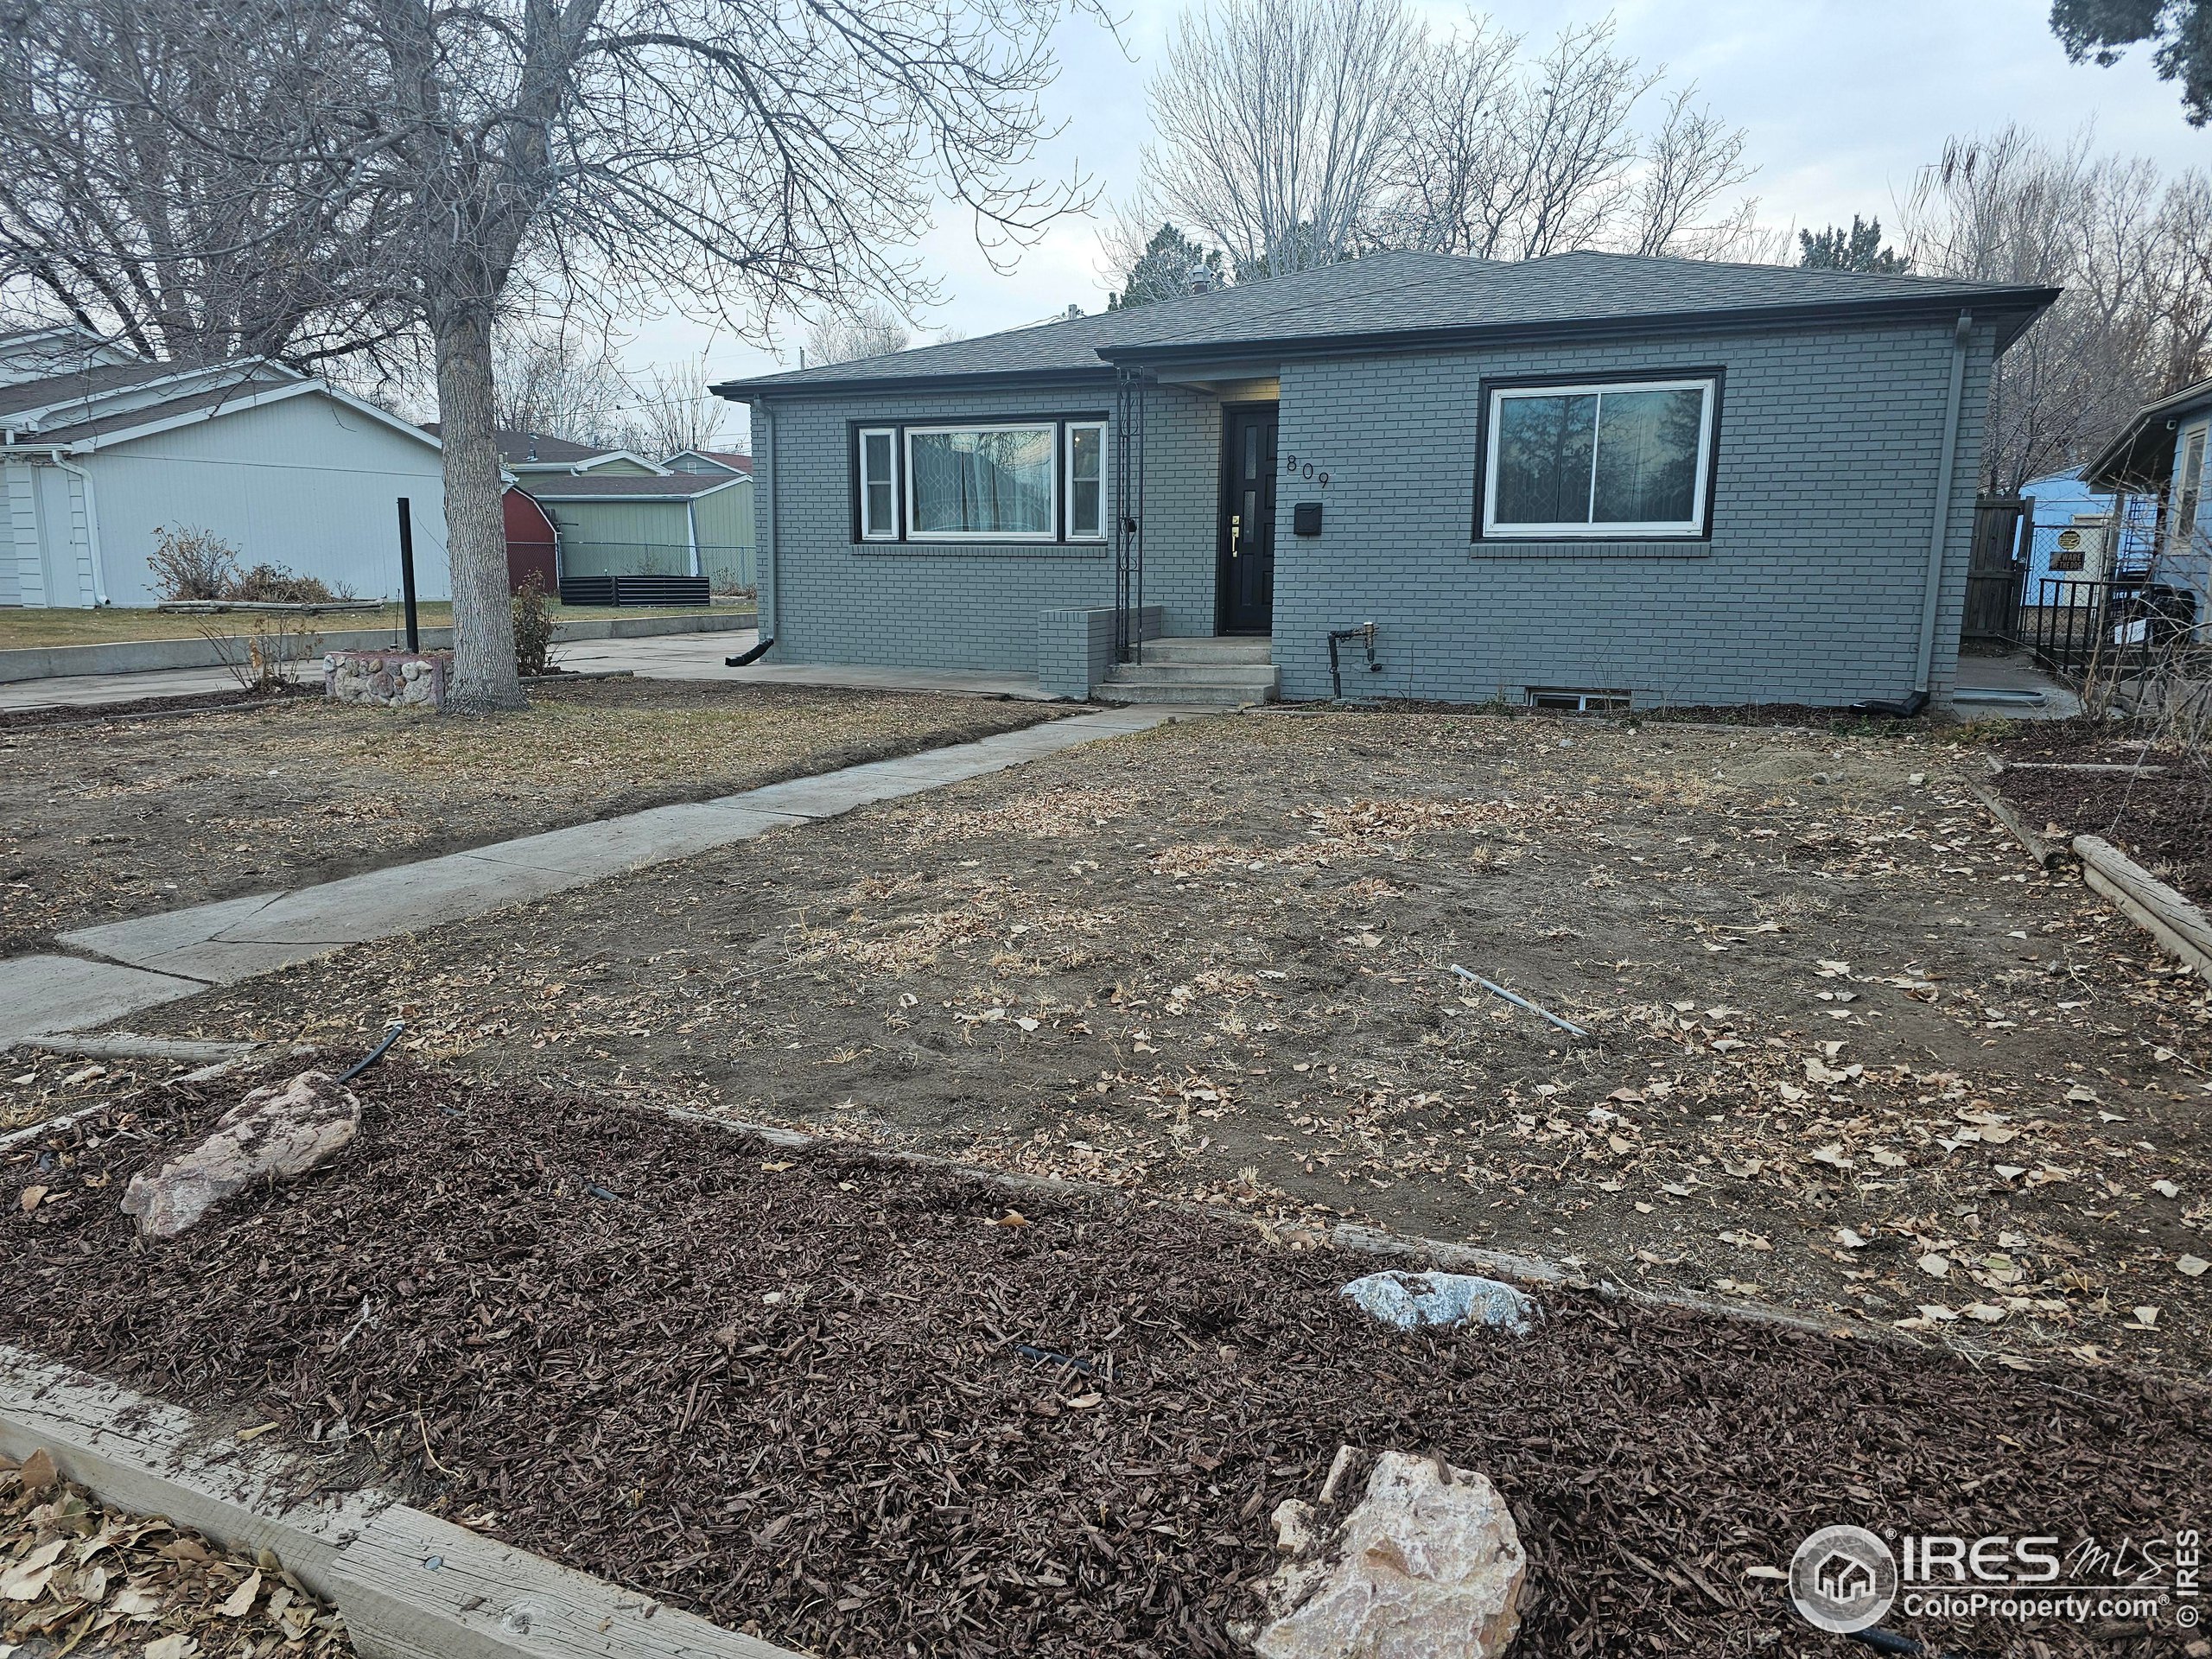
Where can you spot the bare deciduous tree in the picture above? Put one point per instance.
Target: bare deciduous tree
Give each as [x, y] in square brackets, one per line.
[610, 156]
[548, 383]
[1688, 164]
[1294, 137]
[1273, 124]
[674, 410]
[2130, 250]
[118, 212]
[870, 329]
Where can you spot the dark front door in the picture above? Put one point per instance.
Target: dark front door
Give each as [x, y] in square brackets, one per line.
[1248, 519]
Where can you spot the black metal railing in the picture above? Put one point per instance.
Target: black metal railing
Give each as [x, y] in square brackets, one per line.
[2109, 627]
[1125, 441]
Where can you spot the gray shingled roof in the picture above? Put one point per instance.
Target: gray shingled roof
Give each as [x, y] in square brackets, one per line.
[86, 382]
[1416, 296]
[672, 487]
[530, 447]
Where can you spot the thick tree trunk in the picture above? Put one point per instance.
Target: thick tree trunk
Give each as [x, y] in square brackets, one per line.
[483, 626]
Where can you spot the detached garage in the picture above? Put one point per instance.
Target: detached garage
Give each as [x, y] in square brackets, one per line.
[100, 449]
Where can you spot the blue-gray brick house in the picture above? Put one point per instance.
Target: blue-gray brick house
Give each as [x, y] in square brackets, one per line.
[1592, 476]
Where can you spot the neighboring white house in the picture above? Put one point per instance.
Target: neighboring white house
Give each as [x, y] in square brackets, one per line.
[99, 449]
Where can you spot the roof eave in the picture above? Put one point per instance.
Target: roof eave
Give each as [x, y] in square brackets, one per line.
[2019, 308]
[2125, 464]
[739, 392]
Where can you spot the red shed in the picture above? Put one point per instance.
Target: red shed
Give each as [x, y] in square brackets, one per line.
[530, 539]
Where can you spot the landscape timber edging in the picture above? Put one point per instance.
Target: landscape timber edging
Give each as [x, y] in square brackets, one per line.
[2001, 809]
[2180, 927]
[409, 1584]
[1352, 1237]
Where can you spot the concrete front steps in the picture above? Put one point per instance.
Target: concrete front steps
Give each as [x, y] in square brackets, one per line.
[1226, 672]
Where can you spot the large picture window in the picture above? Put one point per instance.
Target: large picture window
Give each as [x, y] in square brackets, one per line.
[1621, 460]
[1036, 480]
[995, 483]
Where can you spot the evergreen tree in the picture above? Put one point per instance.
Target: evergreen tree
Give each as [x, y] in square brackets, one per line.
[1858, 248]
[2183, 29]
[1171, 266]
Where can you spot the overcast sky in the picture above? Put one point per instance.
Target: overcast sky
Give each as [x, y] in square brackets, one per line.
[1843, 100]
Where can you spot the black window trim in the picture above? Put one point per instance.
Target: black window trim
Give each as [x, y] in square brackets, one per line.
[1058, 420]
[1600, 378]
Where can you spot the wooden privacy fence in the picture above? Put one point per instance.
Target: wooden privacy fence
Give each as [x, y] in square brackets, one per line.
[1993, 573]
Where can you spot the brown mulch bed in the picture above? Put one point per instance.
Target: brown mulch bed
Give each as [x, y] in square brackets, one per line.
[2161, 819]
[783, 1388]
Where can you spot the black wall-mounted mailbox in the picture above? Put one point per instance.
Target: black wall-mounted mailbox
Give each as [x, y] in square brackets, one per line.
[1306, 519]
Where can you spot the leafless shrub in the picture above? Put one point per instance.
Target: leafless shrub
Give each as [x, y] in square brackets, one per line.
[269, 658]
[189, 563]
[533, 625]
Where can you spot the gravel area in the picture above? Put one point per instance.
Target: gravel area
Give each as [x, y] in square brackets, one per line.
[102, 818]
[1847, 1050]
[789, 1391]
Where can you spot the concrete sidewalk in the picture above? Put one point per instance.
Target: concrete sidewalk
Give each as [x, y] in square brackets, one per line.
[122, 967]
[658, 657]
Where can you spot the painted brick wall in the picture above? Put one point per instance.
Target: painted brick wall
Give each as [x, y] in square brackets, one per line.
[1810, 589]
[829, 599]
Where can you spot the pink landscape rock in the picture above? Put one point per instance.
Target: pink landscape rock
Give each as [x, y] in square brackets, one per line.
[1428, 1566]
[273, 1132]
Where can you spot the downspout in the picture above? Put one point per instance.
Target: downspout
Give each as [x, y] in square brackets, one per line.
[767, 567]
[91, 526]
[691, 529]
[1932, 601]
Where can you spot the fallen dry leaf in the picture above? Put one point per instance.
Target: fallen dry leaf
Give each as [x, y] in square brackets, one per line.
[240, 1601]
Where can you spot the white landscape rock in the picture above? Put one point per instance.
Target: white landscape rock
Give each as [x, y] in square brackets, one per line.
[1428, 1566]
[1410, 1301]
[273, 1132]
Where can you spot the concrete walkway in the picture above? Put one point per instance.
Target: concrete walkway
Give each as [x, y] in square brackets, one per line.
[119, 968]
[658, 657]
[2011, 687]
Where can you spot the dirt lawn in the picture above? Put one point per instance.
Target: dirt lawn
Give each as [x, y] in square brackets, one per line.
[106, 817]
[1847, 1049]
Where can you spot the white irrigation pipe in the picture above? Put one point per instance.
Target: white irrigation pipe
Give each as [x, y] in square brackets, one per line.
[1496, 989]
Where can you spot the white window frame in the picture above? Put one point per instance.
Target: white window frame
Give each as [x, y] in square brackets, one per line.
[873, 533]
[1693, 526]
[2181, 529]
[915, 533]
[1067, 463]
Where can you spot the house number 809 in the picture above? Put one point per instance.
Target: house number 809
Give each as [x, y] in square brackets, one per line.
[1293, 468]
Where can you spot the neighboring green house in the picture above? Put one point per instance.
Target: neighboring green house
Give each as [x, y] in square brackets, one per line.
[678, 524]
